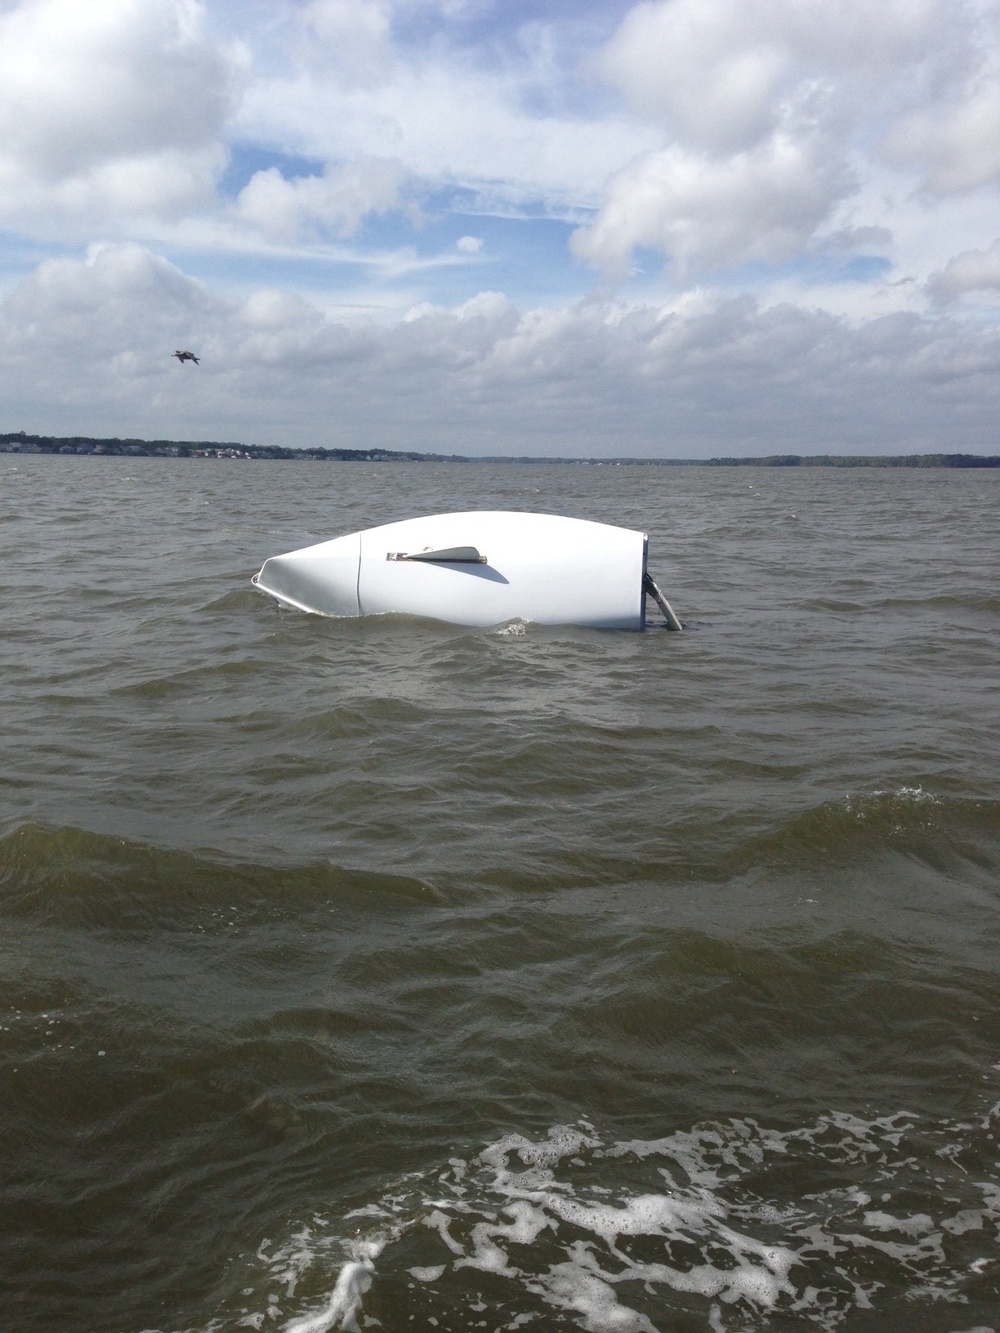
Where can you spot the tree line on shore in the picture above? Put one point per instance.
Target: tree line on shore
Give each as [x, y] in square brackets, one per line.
[18, 442]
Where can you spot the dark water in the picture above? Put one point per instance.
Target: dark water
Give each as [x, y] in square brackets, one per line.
[383, 974]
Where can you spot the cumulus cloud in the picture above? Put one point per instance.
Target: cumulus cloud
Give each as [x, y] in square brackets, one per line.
[773, 115]
[763, 204]
[840, 153]
[120, 297]
[119, 102]
[724, 74]
[352, 38]
[956, 143]
[971, 271]
[737, 133]
[860, 240]
[336, 201]
[92, 340]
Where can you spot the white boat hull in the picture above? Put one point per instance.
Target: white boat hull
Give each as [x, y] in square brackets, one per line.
[478, 568]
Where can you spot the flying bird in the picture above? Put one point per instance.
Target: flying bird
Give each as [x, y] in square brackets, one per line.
[187, 356]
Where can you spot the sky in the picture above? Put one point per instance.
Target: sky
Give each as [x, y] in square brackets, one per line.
[573, 228]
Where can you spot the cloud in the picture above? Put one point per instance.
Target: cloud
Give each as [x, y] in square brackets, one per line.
[336, 201]
[508, 125]
[763, 204]
[114, 104]
[725, 134]
[119, 297]
[971, 271]
[957, 141]
[86, 345]
[723, 75]
[820, 181]
[352, 38]
[859, 240]
[773, 117]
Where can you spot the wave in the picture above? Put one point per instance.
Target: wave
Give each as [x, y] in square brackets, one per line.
[909, 817]
[948, 836]
[890, 1215]
[90, 879]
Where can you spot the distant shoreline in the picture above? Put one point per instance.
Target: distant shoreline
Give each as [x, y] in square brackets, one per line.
[21, 443]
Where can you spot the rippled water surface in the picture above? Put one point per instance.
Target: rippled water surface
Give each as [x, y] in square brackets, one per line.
[386, 974]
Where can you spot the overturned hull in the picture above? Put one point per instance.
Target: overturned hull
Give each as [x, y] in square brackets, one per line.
[478, 568]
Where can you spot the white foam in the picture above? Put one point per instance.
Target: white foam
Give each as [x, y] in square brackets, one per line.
[427, 1274]
[622, 1237]
[570, 1287]
[439, 1221]
[917, 1225]
[966, 1219]
[756, 1272]
[345, 1302]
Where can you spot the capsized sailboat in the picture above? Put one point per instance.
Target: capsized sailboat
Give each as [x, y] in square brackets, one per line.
[477, 568]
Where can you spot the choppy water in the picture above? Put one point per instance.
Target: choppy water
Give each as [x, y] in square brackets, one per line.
[383, 974]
